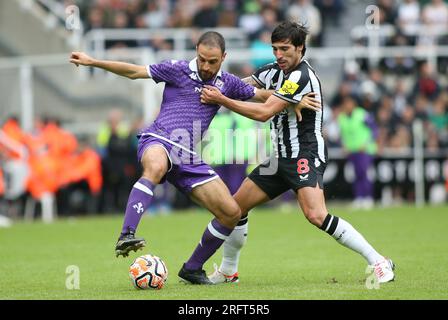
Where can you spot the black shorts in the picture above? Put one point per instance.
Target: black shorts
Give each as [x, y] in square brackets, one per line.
[307, 170]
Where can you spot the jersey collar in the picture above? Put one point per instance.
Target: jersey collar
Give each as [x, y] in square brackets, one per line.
[193, 65]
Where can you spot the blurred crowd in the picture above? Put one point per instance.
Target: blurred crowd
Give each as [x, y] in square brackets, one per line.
[420, 23]
[395, 105]
[46, 166]
[398, 90]
[254, 17]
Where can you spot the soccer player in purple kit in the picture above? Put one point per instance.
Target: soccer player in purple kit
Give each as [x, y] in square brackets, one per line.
[166, 148]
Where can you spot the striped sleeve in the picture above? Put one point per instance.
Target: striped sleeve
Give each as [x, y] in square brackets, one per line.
[294, 87]
[261, 76]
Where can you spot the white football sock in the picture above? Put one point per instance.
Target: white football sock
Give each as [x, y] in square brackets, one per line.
[232, 248]
[344, 233]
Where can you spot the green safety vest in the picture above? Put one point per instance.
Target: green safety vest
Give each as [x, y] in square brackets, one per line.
[355, 134]
[104, 133]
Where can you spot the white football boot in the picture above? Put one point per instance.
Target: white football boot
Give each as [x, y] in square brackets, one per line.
[384, 270]
[218, 277]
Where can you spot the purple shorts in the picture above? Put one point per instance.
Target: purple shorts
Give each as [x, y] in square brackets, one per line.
[186, 171]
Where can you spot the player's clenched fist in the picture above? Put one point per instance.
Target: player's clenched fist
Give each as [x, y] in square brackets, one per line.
[211, 95]
[80, 58]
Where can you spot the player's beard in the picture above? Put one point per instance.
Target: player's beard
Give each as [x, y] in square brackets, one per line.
[206, 76]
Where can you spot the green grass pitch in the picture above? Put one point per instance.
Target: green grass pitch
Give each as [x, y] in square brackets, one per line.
[285, 257]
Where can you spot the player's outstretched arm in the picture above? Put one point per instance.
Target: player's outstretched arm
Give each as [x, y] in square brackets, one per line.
[256, 111]
[261, 95]
[123, 69]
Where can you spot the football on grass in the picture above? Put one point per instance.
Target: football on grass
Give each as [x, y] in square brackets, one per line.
[148, 272]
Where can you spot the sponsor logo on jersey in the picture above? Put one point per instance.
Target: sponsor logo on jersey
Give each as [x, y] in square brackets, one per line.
[194, 76]
[303, 177]
[288, 88]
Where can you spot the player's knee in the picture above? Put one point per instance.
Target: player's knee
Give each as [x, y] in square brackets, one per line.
[315, 217]
[154, 171]
[232, 215]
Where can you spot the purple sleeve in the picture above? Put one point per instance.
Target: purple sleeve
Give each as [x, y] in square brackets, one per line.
[166, 71]
[240, 90]
[371, 123]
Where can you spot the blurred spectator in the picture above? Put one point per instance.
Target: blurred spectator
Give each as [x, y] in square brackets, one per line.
[134, 11]
[352, 76]
[432, 140]
[372, 90]
[157, 13]
[118, 162]
[407, 117]
[181, 16]
[426, 82]
[408, 19]
[330, 128]
[401, 140]
[81, 181]
[262, 50]
[344, 90]
[400, 97]
[114, 125]
[2, 183]
[13, 165]
[96, 19]
[399, 64]
[435, 22]
[387, 120]
[250, 19]
[206, 15]
[422, 105]
[228, 14]
[303, 11]
[358, 134]
[331, 11]
[388, 11]
[121, 21]
[439, 119]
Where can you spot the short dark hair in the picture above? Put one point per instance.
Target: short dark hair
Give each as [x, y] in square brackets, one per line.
[293, 31]
[213, 39]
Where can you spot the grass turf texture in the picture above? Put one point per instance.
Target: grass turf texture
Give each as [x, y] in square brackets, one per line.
[285, 257]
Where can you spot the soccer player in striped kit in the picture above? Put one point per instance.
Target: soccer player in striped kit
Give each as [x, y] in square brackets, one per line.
[300, 154]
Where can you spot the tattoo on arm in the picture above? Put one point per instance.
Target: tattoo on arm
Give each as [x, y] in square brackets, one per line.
[251, 81]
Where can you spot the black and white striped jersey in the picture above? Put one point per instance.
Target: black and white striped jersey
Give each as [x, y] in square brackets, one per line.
[289, 137]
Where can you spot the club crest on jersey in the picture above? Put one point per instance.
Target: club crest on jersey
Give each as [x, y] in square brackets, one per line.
[219, 84]
[288, 88]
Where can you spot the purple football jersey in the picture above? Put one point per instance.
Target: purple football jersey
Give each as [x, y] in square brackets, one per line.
[183, 119]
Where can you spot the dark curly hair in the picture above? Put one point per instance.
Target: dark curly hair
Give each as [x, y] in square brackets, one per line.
[293, 31]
